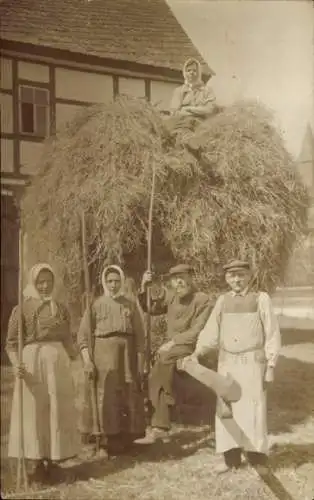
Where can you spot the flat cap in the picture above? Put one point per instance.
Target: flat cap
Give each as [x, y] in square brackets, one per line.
[180, 269]
[234, 265]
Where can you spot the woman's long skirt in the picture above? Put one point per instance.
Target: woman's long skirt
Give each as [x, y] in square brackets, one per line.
[49, 413]
[120, 400]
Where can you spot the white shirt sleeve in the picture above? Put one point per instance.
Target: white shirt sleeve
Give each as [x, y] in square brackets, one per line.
[209, 337]
[271, 329]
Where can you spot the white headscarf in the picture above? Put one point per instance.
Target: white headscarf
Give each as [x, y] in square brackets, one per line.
[199, 81]
[31, 291]
[118, 270]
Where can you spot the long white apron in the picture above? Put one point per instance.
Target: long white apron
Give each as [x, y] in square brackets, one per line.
[242, 355]
[49, 413]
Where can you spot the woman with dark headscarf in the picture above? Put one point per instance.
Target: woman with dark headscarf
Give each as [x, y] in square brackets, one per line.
[118, 347]
[50, 433]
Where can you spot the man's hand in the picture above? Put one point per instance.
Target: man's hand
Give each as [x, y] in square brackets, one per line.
[192, 358]
[183, 362]
[166, 347]
[195, 356]
[146, 280]
[269, 376]
[20, 370]
[90, 369]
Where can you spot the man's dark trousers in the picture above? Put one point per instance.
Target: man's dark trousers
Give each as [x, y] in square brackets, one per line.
[161, 381]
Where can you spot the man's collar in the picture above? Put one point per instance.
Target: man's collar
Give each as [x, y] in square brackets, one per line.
[187, 296]
[242, 294]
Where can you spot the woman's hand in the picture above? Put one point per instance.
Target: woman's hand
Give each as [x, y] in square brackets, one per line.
[141, 364]
[90, 370]
[185, 111]
[20, 370]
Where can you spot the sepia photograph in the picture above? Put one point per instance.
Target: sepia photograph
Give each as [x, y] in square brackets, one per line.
[157, 249]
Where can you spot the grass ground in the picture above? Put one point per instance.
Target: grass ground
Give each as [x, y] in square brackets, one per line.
[183, 469]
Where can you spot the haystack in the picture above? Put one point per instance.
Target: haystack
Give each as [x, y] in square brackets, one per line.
[230, 189]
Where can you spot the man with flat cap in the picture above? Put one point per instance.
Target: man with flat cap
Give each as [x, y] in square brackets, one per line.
[187, 311]
[244, 330]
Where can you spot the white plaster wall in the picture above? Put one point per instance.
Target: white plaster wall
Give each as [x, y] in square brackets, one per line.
[83, 86]
[134, 87]
[35, 72]
[6, 106]
[161, 93]
[30, 154]
[65, 112]
[7, 160]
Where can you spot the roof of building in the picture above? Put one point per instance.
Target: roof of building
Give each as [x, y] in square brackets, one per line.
[139, 31]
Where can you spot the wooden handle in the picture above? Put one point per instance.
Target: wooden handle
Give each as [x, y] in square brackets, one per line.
[149, 268]
[93, 386]
[224, 386]
[22, 479]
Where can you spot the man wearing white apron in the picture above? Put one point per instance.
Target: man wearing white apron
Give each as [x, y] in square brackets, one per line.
[244, 329]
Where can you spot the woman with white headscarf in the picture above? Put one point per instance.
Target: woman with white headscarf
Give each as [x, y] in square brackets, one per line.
[117, 361]
[193, 98]
[50, 433]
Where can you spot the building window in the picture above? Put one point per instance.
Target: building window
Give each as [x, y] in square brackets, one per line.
[34, 111]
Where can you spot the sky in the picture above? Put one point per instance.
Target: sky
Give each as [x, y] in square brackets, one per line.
[261, 49]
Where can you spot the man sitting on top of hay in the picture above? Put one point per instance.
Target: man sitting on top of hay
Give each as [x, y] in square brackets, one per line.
[187, 311]
[193, 98]
[244, 329]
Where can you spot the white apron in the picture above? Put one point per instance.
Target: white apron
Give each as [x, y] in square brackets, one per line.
[242, 355]
[49, 413]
